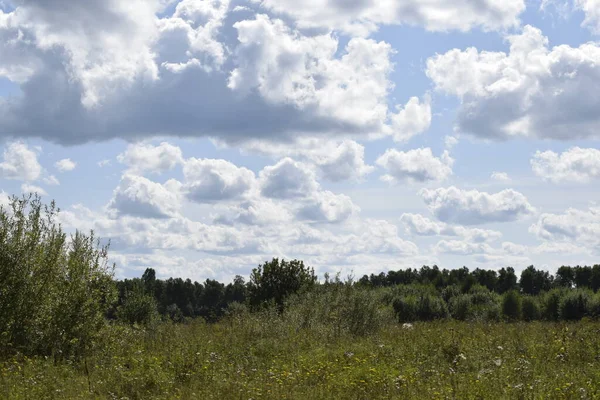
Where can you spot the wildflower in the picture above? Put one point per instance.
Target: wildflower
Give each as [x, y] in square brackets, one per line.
[407, 326]
[500, 348]
[498, 362]
[348, 354]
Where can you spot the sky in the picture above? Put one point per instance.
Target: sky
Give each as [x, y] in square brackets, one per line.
[204, 137]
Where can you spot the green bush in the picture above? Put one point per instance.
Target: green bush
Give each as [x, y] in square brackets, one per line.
[574, 305]
[431, 308]
[140, 307]
[406, 308]
[551, 304]
[54, 292]
[450, 291]
[530, 308]
[511, 305]
[460, 307]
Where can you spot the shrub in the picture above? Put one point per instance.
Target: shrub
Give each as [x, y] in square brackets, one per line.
[460, 307]
[139, 308]
[406, 308]
[574, 305]
[431, 307]
[511, 305]
[450, 291]
[276, 280]
[551, 304]
[54, 293]
[530, 308]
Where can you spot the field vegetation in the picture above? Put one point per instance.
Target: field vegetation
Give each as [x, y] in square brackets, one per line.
[69, 330]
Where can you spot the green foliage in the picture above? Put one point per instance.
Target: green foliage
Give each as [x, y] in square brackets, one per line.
[275, 280]
[54, 290]
[511, 305]
[574, 304]
[551, 304]
[139, 307]
[530, 308]
[460, 307]
[425, 307]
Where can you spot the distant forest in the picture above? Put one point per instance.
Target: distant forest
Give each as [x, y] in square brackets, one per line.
[179, 298]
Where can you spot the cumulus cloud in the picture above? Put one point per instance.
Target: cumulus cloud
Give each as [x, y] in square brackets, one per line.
[66, 164]
[325, 206]
[574, 225]
[28, 188]
[336, 160]
[19, 163]
[210, 180]
[460, 247]
[418, 165]
[500, 176]
[532, 90]
[591, 9]
[145, 70]
[345, 162]
[573, 165]
[363, 17]
[417, 224]
[141, 197]
[412, 119]
[144, 157]
[51, 180]
[287, 179]
[469, 207]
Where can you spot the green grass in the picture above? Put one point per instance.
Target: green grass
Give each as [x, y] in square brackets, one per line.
[259, 358]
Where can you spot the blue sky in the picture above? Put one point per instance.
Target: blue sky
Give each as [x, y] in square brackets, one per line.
[206, 136]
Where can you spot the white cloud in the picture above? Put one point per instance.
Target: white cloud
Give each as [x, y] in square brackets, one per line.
[418, 165]
[573, 165]
[140, 197]
[328, 207]
[145, 157]
[104, 163]
[66, 164]
[450, 141]
[574, 225]
[210, 180]
[345, 162]
[460, 247]
[51, 180]
[412, 119]
[417, 224]
[19, 163]
[287, 179]
[28, 188]
[531, 91]
[363, 17]
[336, 160]
[470, 207]
[591, 9]
[302, 71]
[500, 176]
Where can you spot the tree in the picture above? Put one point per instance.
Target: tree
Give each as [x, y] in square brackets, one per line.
[507, 280]
[565, 277]
[275, 280]
[534, 281]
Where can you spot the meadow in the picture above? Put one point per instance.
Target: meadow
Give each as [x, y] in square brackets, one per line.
[70, 330]
[260, 357]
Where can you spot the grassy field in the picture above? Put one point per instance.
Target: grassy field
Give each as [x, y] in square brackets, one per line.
[259, 358]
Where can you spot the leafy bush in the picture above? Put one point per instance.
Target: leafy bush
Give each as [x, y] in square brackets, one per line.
[406, 308]
[551, 304]
[530, 308]
[450, 291]
[139, 307]
[574, 304]
[511, 305]
[276, 280]
[461, 307]
[54, 292]
[432, 307]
